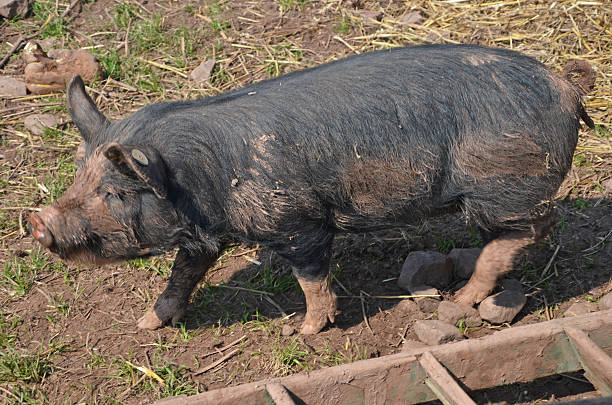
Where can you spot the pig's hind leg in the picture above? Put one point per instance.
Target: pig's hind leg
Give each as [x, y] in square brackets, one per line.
[498, 256]
[171, 305]
[310, 261]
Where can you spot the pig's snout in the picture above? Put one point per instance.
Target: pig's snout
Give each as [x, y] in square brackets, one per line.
[40, 231]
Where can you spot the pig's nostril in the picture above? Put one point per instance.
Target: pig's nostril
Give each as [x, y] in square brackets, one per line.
[39, 231]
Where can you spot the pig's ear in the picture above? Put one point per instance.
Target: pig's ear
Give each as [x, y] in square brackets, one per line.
[83, 110]
[142, 162]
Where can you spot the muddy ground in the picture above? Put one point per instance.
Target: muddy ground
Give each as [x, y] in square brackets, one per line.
[68, 334]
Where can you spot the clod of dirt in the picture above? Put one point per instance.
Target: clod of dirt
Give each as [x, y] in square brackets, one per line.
[13, 8]
[579, 308]
[607, 186]
[452, 313]
[412, 17]
[12, 87]
[502, 307]
[464, 261]
[434, 332]
[202, 73]
[425, 268]
[426, 304]
[369, 17]
[511, 284]
[606, 302]
[407, 306]
[47, 75]
[409, 345]
[287, 330]
[37, 123]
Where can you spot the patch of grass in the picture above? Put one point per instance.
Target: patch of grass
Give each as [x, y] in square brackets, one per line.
[161, 266]
[443, 244]
[20, 272]
[63, 175]
[174, 378]
[275, 282]
[290, 5]
[289, 358]
[45, 12]
[344, 26]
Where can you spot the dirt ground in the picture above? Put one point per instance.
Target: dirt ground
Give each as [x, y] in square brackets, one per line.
[68, 333]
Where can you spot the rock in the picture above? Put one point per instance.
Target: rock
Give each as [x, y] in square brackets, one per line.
[12, 87]
[607, 185]
[412, 17]
[426, 304]
[502, 307]
[425, 268]
[287, 330]
[511, 284]
[434, 332]
[464, 261]
[369, 16]
[606, 302]
[14, 8]
[579, 308]
[37, 123]
[452, 313]
[410, 345]
[47, 75]
[202, 73]
[407, 306]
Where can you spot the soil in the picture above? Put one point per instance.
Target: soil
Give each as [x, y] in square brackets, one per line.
[91, 312]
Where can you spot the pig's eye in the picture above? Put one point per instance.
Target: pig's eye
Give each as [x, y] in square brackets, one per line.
[113, 197]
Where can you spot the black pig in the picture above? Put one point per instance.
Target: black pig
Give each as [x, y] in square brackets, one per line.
[367, 142]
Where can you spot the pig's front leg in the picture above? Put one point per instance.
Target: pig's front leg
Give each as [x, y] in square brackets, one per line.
[171, 305]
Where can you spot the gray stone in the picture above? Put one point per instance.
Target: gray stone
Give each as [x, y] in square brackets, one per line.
[464, 261]
[14, 8]
[425, 268]
[412, 17]
[579, 308]
[452, 313]
[511, 284]
[287, 330]
[434, 332]
[202, 73]
[37, 123]
[11, 87]
[606, 302]
[502, 307]
[410, 345]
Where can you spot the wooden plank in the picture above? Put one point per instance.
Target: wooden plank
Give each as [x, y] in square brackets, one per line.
[596, 363]
[279, 394]
[442, 383]
[520, 354]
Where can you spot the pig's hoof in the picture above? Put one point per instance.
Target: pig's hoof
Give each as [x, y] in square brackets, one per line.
[151, 320]
[314, 324]
[469, 297]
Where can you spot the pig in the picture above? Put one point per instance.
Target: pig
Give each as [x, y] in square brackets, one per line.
[379, 140]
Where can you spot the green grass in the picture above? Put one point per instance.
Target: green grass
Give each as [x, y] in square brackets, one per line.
[274, 282]
[290, 5]
[19, 273]
[161, 266]
[61, 179]
[290, 357]
[45, 11]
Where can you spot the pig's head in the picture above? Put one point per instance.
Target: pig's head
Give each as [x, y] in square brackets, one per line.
[117, 206]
